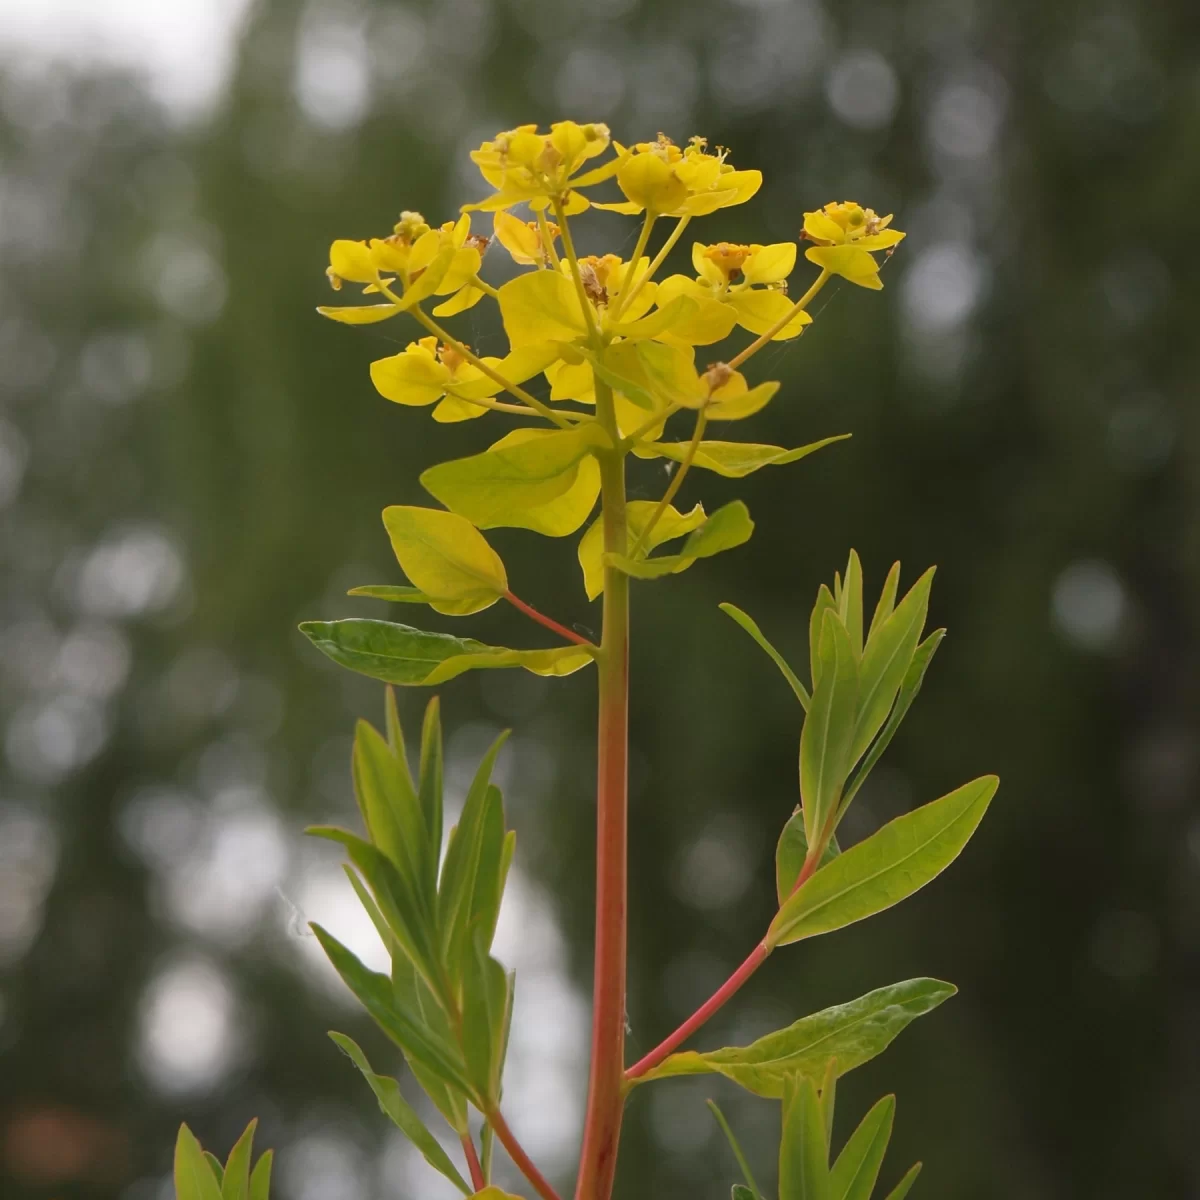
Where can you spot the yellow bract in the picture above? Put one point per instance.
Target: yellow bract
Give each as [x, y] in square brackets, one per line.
[668, 181]
[447, 558]
[523, 239]
[525, 166]
[425, 372]
[846, 235]
[672, 524]
[734, 285]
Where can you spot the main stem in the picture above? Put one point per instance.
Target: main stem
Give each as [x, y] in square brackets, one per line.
[602, 1129]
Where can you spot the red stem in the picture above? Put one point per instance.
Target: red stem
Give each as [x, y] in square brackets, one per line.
[520, 1158]
[755, 960]
[549, 622]
[606, 1084]
[478, 1182]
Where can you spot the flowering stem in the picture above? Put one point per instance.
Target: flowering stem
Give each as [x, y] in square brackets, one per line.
[521, 394]
[478, 1179]
[549, 622]
[658, 259]
[602, 1128]
[485, 287]
[755, 960]
[756, 345]
[634, 259]
[547, 240]
[676, 483]
[569, 249]
[521, 1160]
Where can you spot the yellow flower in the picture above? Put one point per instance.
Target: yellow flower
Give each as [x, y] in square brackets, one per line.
[543, 306]
[428, 262]
[424, 373]
[523, 239]
[846, 235]
[661, 178]
[734, 285]
[525, 166]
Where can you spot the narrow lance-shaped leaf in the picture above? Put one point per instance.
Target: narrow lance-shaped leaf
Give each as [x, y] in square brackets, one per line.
[887, 867]
[235, 1183]
[374, 991]
[734, 460]
[908, 693]
[752, 1189]
[828, 728]
[751, 627]
[803, 1153]
[218, 1168]
[886, 661]
[194, 1178]
[887, 599]
[431, 772]
[816, 621]
[402, 1114]
[412, 657]
[850, 603]
[857, 1166]
[905, 1185]
[446, 557]
[260, 1177]
[852, 1033]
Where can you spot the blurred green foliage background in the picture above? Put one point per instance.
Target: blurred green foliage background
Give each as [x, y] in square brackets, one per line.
[191, 461]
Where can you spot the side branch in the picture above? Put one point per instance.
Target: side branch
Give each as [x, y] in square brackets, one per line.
[548, 622]
[521, 1160]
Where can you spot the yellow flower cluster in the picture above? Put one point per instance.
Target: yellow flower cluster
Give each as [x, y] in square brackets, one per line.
[592, 322]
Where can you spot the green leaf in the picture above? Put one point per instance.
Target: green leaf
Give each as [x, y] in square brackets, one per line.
[235, 1184]
[751, 1188]
[751, 627]
[734, 460]
[791, 852]
[825, 600]
[485, 1005]
[446, 557]
[852, 1033]
[828, 1094]
[260, 1177]
[850, 603]
[857, 1167]
[828, 729]
[414, 657]
[672, 524]
[902, 1188]
[740, 1192]
[515, 482]
[803, 1153]
[887, 599]
[393, 593]
[495, 856]
[218, 1169]
[374, 992]
[460, 870]
[431, 772]
[402, 1114]
[194, 1178]
[393, 817]
[913, 679]
[728, 527]
[886, 661]
[887, 867]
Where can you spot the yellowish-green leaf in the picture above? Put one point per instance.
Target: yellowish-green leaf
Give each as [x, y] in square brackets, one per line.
[652, 375]
[392, 593]
[748, 623]
[852, 1033]
[540, 306]
[746, 403]
[359, 314]
[513, 482]
[732, 459]
[566, 512]
[887, 867]
[414, 657]
[803, 1150]
[194, 1178]
[447, 558]
[728, 527]
[672, 524]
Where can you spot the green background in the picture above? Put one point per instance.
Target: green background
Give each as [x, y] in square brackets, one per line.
[191, 461]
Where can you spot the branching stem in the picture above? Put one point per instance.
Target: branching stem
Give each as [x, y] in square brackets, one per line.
[549, 622]
[521, 1160]
[658, 260]
[478, 1179]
